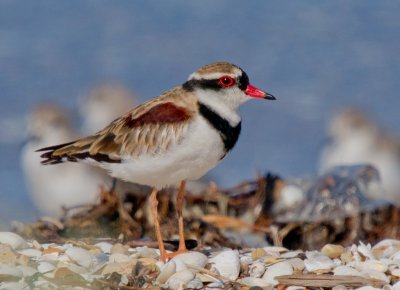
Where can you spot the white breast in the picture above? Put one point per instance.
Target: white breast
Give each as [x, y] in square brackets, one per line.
[200, 150]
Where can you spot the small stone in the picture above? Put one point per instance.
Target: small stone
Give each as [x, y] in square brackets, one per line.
[346, 257]
[258, 253]
[332, 251]
[121, 268]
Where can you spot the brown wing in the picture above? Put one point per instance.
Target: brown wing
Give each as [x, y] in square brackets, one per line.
[150, 128]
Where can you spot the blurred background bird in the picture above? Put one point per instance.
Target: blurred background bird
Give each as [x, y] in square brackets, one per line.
[102, 105]
[69, 185]
[358, 139]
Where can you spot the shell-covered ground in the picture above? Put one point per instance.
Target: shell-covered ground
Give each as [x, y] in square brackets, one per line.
[113, 265]
[328, 234]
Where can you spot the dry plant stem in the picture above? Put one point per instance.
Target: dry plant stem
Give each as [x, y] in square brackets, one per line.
[154, 213]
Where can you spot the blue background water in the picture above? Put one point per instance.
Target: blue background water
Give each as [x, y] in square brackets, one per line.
[314, 56]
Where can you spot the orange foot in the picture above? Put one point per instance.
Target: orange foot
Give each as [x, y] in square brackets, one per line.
[165, 257]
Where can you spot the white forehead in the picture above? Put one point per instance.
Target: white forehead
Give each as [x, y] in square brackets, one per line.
[234, 73]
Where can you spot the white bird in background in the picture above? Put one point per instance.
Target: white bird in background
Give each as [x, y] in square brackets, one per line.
[67, 185]
[357, 139]
[102, 105]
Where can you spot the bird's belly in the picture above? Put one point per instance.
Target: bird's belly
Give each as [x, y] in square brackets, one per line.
[198, 152]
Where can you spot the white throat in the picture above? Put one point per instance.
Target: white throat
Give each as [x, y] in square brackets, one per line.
[227, 106]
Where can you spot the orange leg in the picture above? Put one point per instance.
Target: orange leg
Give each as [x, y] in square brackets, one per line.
[179, 203]
[154, 213]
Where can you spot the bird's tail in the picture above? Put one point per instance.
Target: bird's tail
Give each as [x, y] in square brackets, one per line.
[71, 151]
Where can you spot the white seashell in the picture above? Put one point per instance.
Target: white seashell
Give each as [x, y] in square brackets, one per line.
[278, 269]
[376, 275]
[147, 253]
[119, 248]
[245, 259]
[8, 270]
[80, 256]
[297, 264]
[20, 285]
[119, 258]
[195, 284]
[121, 268]
[49, 257]
[77, 269]
[386, 248]
[274, 249]
[372, 265]
[256, 282]
[215, 285]
[104, 247]
[395, 272]
[368, 288]
[346, 271]
[180, 266]
[316, 262]
[166, 271]
[27, 271]
[124, 280]
[257, 269]
[295, 288]
[45, 267]
[396, 256]
[396, 286]
[180, 279]
[365, 250]
[184, 261]
[13, 240]
[291, 254]
[227, 264]
[32, 253]
[339, 287]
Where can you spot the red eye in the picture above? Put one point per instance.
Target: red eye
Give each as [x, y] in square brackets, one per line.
[226, 81]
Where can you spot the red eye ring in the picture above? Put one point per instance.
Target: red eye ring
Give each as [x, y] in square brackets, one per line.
[226, 81]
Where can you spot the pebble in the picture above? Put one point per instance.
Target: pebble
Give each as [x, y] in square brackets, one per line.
[332, 251]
